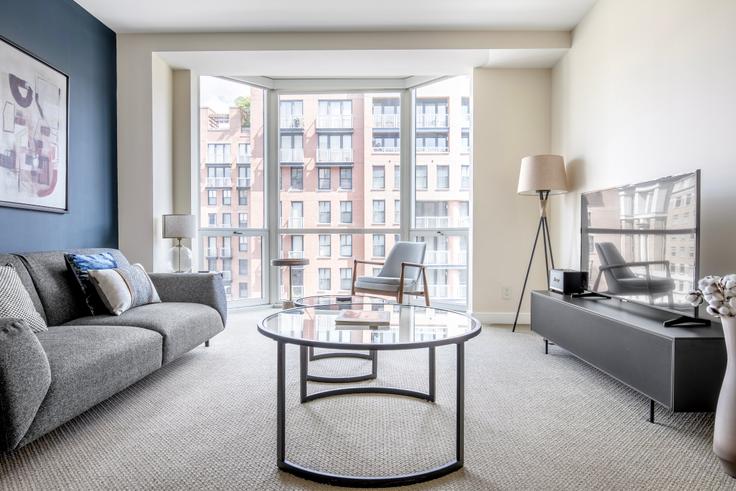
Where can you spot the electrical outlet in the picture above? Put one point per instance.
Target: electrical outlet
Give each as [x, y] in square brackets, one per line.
[506, 293]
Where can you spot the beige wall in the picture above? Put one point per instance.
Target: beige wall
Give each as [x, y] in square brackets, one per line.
[511, 119]
[162, 152]
[647, 90]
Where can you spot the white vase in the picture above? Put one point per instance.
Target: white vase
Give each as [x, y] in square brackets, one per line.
[724, 433]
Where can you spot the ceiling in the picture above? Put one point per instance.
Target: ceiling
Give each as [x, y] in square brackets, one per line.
[128, 16]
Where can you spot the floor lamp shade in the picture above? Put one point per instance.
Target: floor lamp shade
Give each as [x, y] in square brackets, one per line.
[542, 173]
[180, 226]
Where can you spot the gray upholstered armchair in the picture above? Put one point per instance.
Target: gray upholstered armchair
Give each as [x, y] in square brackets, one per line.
[399, 275]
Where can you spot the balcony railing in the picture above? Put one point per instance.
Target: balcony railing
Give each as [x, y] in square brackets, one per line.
[296, 254]
[386, 149]
[334, 155]
[386, 120]
[291, 122]
[335, 121]
[296, 222]
[297, 291]
[219, 182]
[244, 158]
[466, 120]
[432, 222]
[435, 149]
[243, 182]
[226, 252]
[211, 252]
[291, 155]
[432, 120]
[445, 258]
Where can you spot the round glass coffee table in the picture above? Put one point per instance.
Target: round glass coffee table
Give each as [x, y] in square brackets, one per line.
[410, 327]
[343, 302]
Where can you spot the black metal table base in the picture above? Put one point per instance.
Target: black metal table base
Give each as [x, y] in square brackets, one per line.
[367, 481]
[371, 355]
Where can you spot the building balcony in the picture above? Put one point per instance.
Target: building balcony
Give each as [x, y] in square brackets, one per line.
[244, 158]
[426, 149]
[296, 254]
[292, 155]
[446, 258]
[295, 222]
[243, 182]
[386, 149]
[433, 222]
[219, 182]
[432, 121]
[291, 122]
[465, 121]
[226, 252]
[386, 120]
[211, 252]
[334, 155]
[334, 121]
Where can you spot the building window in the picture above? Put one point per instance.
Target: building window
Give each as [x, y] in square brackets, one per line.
[243, 266]
[397, 211]
[379, 211]
[346, 245]
[346, 178]
[379, 177]
[432, 143]
[211, 219]
[421, 177]
[325, 213]
[324, 179]
[218, 176]
[218, 153]
[243, 244]
[296, 219]
[291, 114]
[297, 244]
[297, 178]
[291, 149]
[242, 197]
[346, 278]
[443, 177]
[346, 212]
[386, 142]
[335, 114]
[243, 220]
[243, 176]
[379, 245]
[431, 113]
[465, 177]
[335, 147]
[397, 177]
[243, 290]
[226, 219]
[243, 153]
[386, 112]
[227, 197]
[211, 197]
[325, 279]
[465, 141]
[325, 246]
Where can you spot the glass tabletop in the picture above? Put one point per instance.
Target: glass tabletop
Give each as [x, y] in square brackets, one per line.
[409, 327]
[340, 300]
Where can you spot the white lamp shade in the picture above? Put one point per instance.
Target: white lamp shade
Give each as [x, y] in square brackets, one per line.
[542, 173]
[180, 226]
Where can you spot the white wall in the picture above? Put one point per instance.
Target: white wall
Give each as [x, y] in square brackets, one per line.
[511, 119]
[648, 89]
[162, 159]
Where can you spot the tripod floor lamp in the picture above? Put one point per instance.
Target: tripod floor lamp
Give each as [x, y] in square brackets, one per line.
[541, 175]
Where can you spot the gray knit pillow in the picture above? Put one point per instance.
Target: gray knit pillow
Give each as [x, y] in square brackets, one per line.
[15, 302]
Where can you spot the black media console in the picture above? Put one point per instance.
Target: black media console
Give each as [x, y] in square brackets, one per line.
[680, 368]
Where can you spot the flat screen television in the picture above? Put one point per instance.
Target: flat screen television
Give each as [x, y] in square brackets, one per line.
[640, 242]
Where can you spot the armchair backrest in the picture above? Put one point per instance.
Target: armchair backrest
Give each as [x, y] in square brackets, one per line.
[609, 255]
[411, 252]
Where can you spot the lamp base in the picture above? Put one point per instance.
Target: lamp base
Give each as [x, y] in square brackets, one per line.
[180, 259]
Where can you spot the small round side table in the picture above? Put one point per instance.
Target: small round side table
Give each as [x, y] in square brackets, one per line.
[289, 263]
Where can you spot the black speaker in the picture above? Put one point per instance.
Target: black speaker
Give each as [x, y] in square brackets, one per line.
[568, 281]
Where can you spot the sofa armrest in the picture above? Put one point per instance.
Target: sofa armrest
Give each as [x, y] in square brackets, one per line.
[204, 288]
[25, 377]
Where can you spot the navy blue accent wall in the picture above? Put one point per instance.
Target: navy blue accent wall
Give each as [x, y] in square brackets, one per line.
[67, 37]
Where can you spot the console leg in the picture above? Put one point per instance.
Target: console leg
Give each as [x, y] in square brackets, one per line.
[546, 346]
[651, 410]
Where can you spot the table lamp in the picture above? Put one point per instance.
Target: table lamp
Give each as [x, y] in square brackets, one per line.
[180, 227]
[541, 175]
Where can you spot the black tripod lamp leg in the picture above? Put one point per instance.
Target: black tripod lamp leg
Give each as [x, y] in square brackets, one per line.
[526, 278]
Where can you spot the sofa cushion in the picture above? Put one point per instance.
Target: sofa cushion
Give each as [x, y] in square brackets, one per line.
[15, 301]
[25, 378]
[57, 288]
[383, 283]
[25, 278]
[88, 365]
[80, 265]
[182, 325]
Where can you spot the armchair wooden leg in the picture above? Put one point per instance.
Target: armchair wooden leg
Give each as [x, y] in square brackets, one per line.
[400, 295]
[355, 269]
[426, 287]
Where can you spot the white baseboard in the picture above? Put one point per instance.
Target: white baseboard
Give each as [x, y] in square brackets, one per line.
[502, 317]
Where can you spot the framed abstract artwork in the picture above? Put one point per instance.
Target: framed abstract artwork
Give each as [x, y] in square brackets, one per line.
[34, 116]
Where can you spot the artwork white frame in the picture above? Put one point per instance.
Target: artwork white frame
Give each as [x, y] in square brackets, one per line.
[34, 136]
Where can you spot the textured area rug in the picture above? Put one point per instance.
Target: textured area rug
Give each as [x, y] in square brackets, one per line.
[533, 421]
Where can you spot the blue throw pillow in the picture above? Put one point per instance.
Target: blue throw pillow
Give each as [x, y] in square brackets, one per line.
[80, 265]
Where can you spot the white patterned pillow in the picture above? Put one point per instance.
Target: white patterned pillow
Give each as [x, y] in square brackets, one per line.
[15, 302]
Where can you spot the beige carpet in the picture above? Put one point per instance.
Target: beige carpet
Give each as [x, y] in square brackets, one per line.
[207, 421]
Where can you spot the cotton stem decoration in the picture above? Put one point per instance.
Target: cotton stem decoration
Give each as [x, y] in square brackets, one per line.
[718, 293]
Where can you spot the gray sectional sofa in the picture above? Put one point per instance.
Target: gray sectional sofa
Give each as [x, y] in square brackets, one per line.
[48, 378]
